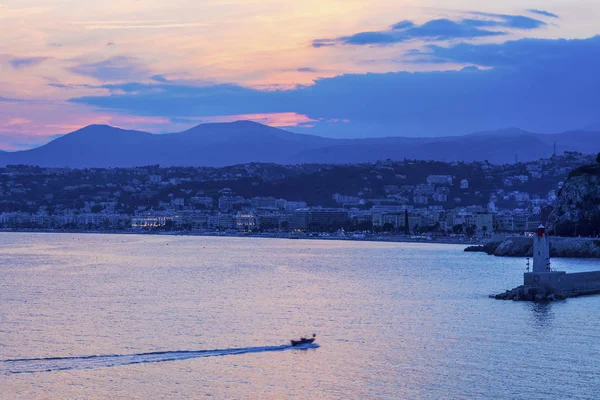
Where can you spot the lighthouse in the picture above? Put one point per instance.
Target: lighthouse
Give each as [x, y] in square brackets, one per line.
[541, 251]
[544, 284]
[542, 277]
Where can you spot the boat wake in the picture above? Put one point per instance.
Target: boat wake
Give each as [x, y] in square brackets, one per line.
[32, 365]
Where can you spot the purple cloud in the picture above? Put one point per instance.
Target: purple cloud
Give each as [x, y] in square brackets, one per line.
[113, 69]
[26, 62]
[438, 29]
[544, 13]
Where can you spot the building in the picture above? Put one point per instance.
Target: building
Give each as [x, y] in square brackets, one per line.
[439, 180]
[342, 199]
[178, 202]
[203, 201]
[227, 203]
[421, 199]
[265, 202]
[319, 218]
[464, 184]
[269, 221]
[221, 221]
[484, 223]
[245, 221]
[294, 205]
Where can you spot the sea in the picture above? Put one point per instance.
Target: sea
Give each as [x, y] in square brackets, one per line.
[101, 316]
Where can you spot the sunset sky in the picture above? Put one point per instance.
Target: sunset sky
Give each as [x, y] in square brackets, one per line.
[338, 68]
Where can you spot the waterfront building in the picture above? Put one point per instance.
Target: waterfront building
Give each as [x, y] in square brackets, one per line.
[484, 223]
[319, 218]
[221, 221]
[245, 221]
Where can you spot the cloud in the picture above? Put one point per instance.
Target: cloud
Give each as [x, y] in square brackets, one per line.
[128, 25]
[9, 100]
[284, 119]
[71, 86]
[324, 42]
[438, 29]
[403, 25]
[306, 69]
[507, 21]
[544, 13]
[552, 52]
[535, 84]
[26, 62]
[159, 78]
[113, 69]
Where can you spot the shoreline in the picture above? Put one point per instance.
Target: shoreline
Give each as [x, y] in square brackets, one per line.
[291, 236]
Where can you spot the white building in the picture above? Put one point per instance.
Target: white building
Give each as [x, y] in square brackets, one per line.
[439, 179]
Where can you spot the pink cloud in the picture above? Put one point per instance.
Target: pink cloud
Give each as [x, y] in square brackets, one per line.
[285, 119]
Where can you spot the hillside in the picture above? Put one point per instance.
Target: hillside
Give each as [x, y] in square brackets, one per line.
[577, 209]
[222, 144]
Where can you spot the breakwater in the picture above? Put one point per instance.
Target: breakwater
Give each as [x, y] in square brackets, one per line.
[522, 246]
[543, 283]
[555, 285]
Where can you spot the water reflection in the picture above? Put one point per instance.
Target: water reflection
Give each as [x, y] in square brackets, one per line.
[542, 314]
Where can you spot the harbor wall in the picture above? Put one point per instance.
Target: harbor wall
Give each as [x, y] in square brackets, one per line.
[581, 283]
[553, 286]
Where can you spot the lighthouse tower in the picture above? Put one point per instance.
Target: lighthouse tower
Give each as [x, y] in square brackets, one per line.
[541, 251]
[541, 275]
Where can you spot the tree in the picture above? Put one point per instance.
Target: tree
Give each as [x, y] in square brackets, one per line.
[458, 228]
[470, 230]
[387, 227]
[598, 158]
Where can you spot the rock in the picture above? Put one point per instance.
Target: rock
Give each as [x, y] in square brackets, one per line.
[577, 208]
[516, 246]
[475, 249]
[522, 246]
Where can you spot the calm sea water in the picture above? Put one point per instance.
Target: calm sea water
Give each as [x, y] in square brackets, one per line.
[124, 316]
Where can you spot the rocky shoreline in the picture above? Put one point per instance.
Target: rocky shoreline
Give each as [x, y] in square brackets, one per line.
[522, 246]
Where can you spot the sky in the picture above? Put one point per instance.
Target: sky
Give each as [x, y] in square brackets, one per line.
[336, 68]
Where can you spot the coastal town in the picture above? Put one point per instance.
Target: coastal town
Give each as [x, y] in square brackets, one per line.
[417, 198]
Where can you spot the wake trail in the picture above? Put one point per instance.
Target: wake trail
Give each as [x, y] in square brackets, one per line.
[32, 365]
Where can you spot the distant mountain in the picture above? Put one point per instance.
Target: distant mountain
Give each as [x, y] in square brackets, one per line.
[244, 141]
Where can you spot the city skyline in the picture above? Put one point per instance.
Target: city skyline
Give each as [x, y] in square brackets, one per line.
[341, 69]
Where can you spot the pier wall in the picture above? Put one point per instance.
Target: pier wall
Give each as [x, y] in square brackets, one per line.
[580, 283]
[553, 286]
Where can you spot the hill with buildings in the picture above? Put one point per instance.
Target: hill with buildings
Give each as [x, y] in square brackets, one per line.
[240, 142]
[423, 197]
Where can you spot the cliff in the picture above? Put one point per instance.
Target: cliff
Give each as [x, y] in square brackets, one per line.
[577, 209]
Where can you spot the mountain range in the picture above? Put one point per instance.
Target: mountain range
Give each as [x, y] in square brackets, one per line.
[222, 144]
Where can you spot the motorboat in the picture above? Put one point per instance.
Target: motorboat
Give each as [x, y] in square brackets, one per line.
[304, 340]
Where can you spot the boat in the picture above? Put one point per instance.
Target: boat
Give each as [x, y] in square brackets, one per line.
[304, 340]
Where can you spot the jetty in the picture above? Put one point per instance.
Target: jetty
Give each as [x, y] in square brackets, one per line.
[542, 283]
